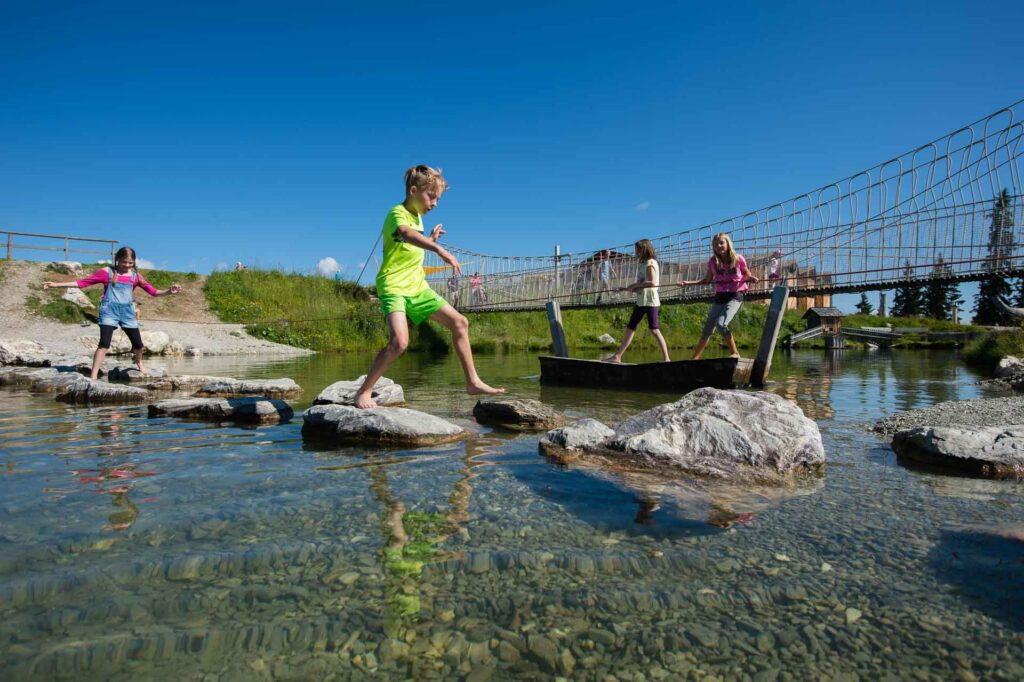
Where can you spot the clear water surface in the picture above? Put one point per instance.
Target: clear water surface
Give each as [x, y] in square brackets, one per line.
[137, 548]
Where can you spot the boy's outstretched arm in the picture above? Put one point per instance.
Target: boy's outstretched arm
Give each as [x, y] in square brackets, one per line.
[416, 238]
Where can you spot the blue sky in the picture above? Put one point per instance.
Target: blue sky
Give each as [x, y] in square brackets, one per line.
[277, 133]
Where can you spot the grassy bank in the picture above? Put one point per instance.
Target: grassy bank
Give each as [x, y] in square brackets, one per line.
[986, 351]
[331, 316]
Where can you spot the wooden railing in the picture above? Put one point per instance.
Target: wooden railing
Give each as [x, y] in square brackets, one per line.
[67, 249]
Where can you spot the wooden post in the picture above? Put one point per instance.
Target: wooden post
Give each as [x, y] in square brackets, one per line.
[763, 361]
[558, 257]
[558, 345]
[66, 257]
[10, 246]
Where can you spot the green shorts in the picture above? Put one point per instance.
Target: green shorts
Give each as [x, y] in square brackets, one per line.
[417, 307]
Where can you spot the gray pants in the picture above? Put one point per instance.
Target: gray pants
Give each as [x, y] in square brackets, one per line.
[721, 315]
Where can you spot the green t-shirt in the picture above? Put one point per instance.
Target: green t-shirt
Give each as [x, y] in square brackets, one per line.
[401, 272]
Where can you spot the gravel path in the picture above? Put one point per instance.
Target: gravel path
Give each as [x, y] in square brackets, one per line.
[984, 412]
[21, 279]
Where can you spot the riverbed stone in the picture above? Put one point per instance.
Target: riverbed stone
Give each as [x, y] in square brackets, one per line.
[991, 451]
[53, 383]
[518, 414]
[274, 388]
[88, 391]
[17, 375]
[385, 392]
[131, 374]
[251, 409]
[384, 426]
[23, 352]
[735, 435]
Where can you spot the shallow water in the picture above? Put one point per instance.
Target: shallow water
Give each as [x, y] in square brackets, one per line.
[135, 548]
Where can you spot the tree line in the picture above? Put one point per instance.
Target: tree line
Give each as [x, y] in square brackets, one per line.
[941, 295]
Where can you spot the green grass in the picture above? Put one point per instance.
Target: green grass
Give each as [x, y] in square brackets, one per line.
[987, 350]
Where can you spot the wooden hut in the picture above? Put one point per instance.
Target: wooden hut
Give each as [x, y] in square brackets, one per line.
[831, 322]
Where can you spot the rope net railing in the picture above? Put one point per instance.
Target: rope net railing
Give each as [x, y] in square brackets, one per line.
[950, 209]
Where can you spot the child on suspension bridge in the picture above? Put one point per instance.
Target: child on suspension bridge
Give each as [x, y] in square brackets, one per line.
[728, 271]
[402, 284]
[117, 309]
[647, 301]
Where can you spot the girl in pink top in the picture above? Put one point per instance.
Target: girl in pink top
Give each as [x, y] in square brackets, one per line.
[116, 307]
[728, 271]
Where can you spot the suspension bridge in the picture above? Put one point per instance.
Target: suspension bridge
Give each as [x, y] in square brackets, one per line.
[949, 210]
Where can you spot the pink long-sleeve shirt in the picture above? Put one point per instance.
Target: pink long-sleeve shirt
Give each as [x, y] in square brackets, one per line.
[101, 276]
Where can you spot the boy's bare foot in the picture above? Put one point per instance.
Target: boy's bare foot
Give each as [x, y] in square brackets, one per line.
[365, 401]
[480, 388]
[612, 359]
[735, 355]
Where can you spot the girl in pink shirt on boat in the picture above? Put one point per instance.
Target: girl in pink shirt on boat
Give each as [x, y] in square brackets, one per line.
[728, 271]
[116, 307]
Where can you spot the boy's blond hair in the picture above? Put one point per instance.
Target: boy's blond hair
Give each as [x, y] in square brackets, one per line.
[424, 177]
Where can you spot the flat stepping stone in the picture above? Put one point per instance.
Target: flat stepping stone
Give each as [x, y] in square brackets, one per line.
[566, 442]
[87, 391]
[131, 374]
[517, 414]
[385, 392]
[382, 426]
[274, 388]
[179, 382]
[55, 383]
[23, 352]
[250, 410]
[989, 451]
[15, 376]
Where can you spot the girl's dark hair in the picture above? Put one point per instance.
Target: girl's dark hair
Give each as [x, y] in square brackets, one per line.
[124, 252]
[645, 250]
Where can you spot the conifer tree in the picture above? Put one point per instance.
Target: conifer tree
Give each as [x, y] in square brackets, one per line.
[1001, 246]
[864, 307]
[908, 299]
[940, 297]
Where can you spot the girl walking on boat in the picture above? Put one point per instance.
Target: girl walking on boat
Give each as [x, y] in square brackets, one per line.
[728, 271]
[647, 301]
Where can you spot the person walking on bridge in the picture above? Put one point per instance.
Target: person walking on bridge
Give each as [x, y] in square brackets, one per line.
[728, 271]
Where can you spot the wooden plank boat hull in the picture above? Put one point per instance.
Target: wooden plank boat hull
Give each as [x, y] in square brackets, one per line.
[679, 376]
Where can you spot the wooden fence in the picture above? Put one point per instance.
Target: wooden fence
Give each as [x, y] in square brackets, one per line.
[68, 248]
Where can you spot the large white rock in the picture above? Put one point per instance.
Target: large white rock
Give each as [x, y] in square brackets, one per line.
[253, 409]
[385, 392]
[275, 388]
[993, 451]
[23, 352]
[78, 298]
[88, 391]
[726, 434]
[382, 426]
[67, 267]
[1010, 366]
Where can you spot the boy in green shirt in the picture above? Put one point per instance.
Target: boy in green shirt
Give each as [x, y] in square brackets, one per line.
[402, 284]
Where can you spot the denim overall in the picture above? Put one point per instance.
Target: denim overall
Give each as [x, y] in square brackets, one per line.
[117, 309]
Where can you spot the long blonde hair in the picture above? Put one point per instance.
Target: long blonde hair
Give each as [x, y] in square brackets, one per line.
[645, 250]
[730, 252]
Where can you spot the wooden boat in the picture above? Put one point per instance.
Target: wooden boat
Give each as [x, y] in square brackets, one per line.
[679, 376]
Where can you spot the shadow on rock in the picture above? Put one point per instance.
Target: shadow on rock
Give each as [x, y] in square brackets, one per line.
[986, 564]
